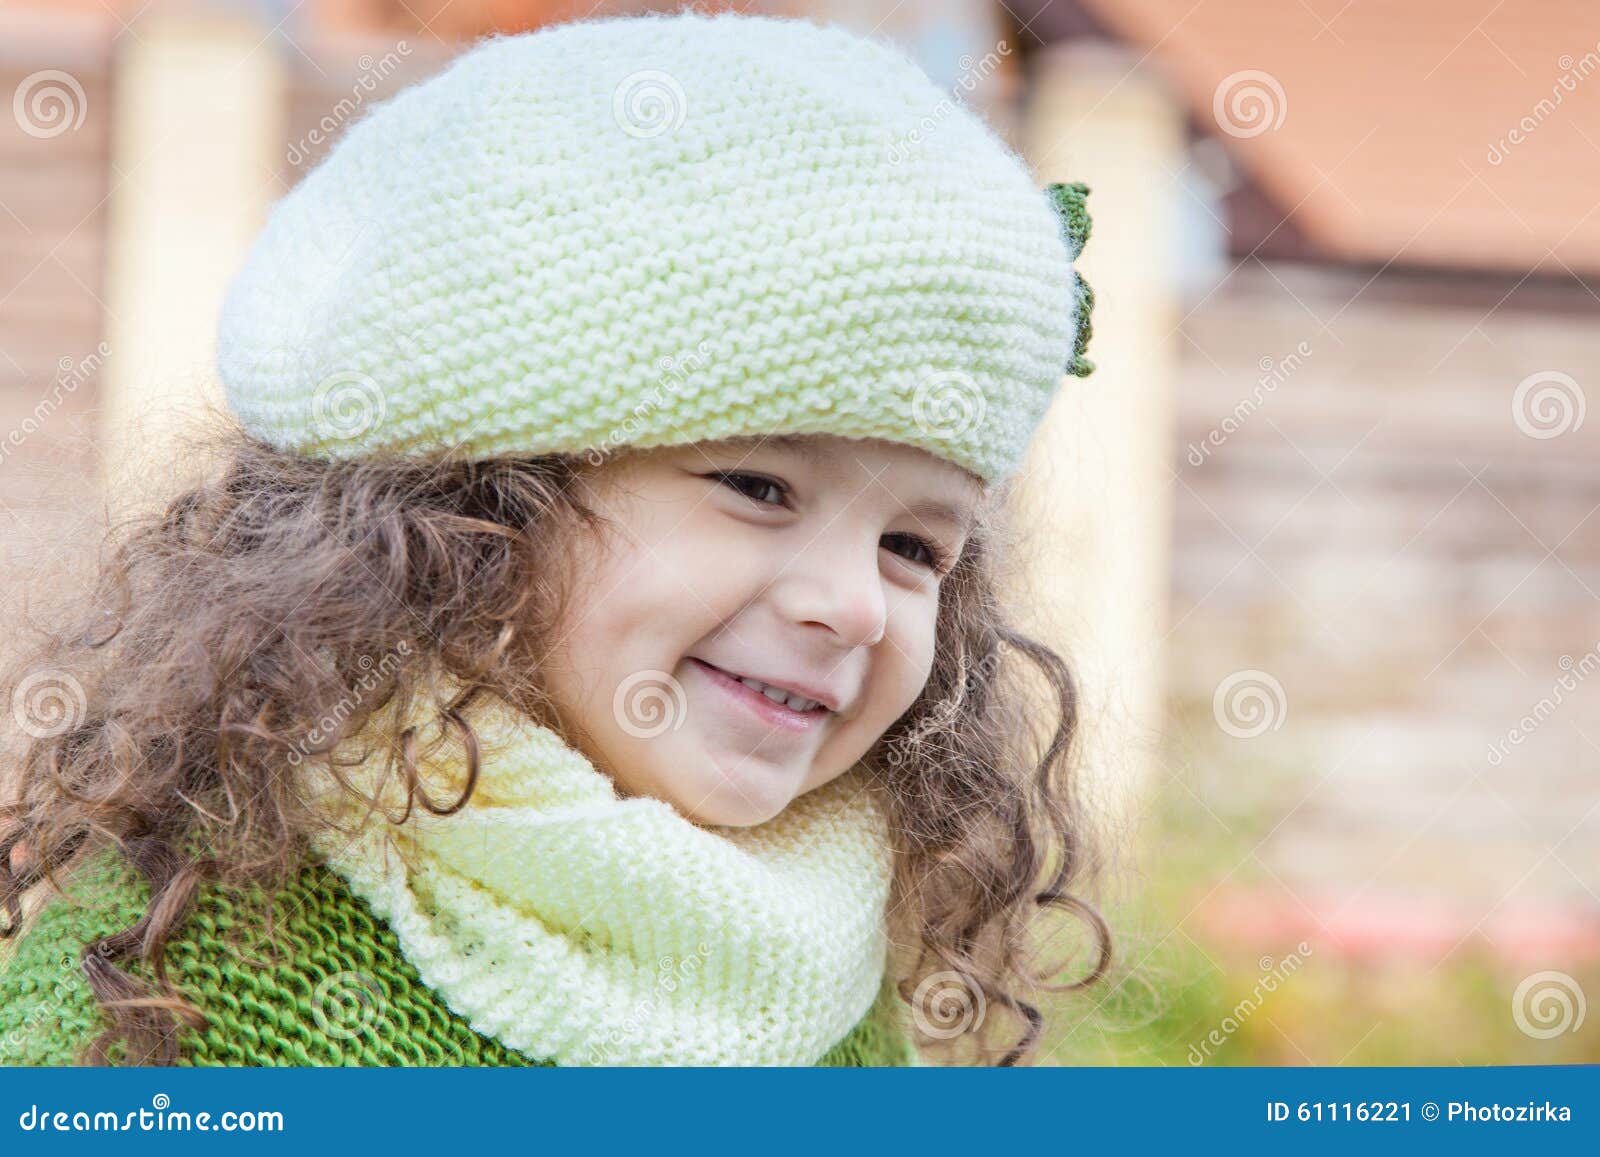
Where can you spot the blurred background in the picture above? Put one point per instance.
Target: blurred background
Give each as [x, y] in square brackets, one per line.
[1319, 534]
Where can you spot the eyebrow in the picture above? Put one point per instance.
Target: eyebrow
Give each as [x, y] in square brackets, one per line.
[941, 511]
[807, 449]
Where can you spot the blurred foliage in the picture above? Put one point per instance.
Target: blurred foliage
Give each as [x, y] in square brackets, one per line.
[1170, 988]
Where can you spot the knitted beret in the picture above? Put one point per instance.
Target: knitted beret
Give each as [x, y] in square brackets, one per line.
[658, 229]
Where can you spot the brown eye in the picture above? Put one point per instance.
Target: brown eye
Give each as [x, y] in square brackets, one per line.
[920, 550]
[750, 485]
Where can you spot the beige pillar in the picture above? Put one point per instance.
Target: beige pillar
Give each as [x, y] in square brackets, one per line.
[967, 47]
[1096, 496]
[198, 113]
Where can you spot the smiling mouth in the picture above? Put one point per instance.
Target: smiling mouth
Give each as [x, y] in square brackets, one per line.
[771, 697]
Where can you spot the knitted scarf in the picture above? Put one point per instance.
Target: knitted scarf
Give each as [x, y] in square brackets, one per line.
[575, 924]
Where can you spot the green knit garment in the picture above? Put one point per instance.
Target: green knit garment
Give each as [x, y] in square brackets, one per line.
[333, 988]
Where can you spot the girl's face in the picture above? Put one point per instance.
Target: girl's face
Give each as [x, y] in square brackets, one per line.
[810, 563]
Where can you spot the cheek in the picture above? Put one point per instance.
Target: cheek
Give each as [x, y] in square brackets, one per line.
[717, 563]
[635, 608]
[904, 661]
[594, 644]
[680, 561]
[898, 673]
[628, 587]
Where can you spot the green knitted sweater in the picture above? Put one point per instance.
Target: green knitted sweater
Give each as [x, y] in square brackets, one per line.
[332, 989]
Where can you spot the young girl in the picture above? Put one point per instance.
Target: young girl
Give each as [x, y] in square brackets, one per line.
[590, 649]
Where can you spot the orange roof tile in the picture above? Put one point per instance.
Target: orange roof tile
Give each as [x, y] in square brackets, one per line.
[1431, 132]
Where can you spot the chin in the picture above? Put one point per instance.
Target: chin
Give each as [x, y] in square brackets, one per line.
[736, 817]
[740, 805]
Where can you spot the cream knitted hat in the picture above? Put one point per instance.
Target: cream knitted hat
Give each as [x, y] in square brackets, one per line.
[657, 229]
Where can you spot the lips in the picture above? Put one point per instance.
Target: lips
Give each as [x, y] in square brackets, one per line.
[808, 696]
[759, 705]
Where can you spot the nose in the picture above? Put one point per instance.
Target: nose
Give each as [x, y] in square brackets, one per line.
[835, 582]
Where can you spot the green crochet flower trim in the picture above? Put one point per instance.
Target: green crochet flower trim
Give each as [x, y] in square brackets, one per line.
[1068, 200]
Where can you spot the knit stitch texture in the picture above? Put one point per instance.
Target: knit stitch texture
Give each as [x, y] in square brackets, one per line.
[657, 939]
[333, 987]
[659, 229]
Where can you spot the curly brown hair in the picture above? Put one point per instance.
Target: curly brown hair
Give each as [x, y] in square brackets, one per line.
[224, 625]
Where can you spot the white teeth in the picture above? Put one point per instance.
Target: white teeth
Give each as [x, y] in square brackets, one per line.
[794, 702]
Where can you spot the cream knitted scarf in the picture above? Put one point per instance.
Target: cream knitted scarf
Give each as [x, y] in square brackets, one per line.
[583, 927]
